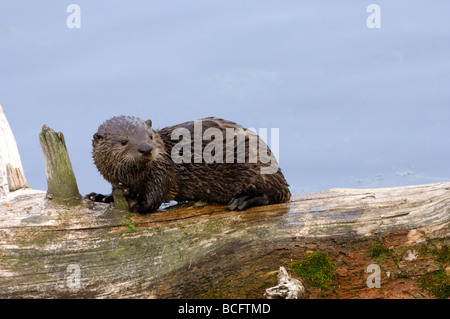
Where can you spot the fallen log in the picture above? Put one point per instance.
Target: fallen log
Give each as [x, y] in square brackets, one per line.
[195, 251]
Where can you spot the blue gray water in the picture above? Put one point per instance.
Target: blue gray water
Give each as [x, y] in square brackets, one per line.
[356, 107]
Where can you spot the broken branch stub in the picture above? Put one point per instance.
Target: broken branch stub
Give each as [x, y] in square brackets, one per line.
[61, 182]
[287, 288]
[120, 201]
[11, 172]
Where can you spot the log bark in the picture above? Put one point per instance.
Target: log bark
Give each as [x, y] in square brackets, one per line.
[11, 171]
[61, 181]
[192, 251]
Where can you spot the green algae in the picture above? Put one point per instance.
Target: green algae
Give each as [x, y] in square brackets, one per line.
[316, 268]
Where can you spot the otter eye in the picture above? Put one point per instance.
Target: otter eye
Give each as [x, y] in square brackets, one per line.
[151, 137]
[124, 142]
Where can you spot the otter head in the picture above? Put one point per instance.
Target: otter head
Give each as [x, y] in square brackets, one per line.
[122, 146]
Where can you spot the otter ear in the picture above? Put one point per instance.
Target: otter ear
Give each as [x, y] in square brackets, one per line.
[98, 137]
[149, 123]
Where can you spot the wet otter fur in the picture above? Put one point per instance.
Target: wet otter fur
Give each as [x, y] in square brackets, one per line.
[131, 155]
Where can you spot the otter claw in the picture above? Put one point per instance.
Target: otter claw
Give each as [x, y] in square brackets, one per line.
[99, 198]
[125, 190]
[246, 201]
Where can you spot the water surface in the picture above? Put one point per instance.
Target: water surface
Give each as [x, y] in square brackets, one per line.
[356, 107]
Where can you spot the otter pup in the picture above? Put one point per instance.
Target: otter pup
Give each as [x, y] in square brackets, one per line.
[157, 166]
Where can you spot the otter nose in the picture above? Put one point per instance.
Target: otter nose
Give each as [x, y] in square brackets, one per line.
[145, 149]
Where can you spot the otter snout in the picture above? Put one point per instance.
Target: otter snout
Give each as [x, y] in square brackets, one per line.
[145, 148]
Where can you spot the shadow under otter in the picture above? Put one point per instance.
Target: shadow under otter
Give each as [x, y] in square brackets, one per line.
[210, 160]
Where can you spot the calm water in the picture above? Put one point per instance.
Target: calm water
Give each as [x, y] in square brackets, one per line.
[356, 107]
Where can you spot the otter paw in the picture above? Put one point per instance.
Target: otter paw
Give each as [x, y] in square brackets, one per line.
[139, 208]
[246, 201]
[125, 190]
[137, 205]
[95, 197]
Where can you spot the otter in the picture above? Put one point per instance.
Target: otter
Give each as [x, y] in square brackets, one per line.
[157, 166]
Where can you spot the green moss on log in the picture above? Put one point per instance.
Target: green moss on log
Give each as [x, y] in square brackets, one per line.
[437, 282]
[379, 249]
[316, 268]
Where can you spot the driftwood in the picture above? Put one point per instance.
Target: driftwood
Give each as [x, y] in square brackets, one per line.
[196, 251]
[287, 288]
[381, 242]
[11, 171]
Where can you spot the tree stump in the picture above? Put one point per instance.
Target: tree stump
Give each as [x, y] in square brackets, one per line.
[61, 181]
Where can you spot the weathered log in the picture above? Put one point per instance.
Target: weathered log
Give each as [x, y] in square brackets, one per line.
[61, 181]
[192, 251]
[11, 171]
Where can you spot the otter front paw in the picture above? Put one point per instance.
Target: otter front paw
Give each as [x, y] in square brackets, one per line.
[246, 201]
[95, 197]
[138, 204]
[126, 190]
[141, 205]
[136, 207]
